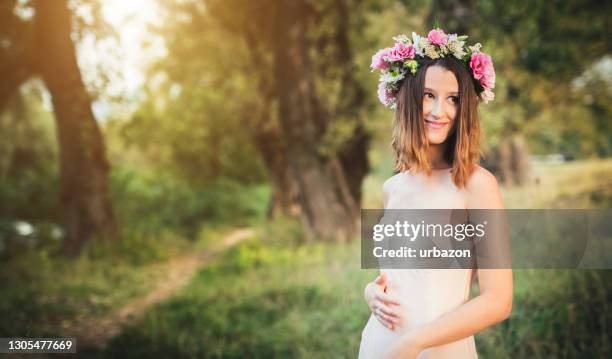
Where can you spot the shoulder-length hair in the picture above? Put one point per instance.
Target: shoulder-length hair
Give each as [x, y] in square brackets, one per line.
[409, 139]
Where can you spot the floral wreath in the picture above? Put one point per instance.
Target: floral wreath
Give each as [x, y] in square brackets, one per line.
[396, 62]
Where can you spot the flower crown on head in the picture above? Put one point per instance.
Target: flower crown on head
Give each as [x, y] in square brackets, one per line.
[395, 63]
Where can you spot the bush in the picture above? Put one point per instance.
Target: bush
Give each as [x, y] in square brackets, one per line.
[151, 202]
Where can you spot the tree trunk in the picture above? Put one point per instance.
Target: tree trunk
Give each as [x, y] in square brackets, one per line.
[15, 67]
[520, 159]
[328, 209]
[353, 155]
[504, 158]
[285, 191]
[86, 206]
[510, 160]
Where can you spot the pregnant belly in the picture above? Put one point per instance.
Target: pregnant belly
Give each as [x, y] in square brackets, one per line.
[376, 339]
[425, 295]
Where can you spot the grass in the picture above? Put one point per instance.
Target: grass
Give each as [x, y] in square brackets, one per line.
[261, 300]
[579, 184]
[41, 292]
[556, 314]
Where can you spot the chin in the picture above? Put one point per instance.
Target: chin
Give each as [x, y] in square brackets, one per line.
[436, 140]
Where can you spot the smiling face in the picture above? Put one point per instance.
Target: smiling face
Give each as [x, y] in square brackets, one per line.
[440, 103]
[437, 107]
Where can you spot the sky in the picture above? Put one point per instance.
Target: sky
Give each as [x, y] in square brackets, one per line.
[128, 58]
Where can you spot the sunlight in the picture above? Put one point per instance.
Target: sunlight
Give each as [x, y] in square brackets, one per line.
[118, 11]
[131, 20]
[137, 47]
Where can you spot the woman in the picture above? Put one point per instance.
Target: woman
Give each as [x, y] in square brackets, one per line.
[434, 84]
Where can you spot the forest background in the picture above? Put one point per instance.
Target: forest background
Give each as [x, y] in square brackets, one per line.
[137, 133]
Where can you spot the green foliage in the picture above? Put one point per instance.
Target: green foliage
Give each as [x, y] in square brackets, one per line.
[199, 104]
[29, 176]
[540, 50]
[152, 202]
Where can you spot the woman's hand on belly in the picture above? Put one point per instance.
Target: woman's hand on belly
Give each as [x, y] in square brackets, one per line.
[383, 306]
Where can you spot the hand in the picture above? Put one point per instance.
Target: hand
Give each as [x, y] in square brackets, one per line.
[381, 304]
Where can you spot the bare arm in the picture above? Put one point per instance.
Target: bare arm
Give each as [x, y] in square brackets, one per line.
[492, 305]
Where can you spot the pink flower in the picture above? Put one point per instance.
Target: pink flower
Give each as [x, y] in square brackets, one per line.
[384, 95]
[437, 37]
[378, 60]
[482, 68]
[400, 52]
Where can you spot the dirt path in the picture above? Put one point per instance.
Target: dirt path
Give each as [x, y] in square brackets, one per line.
[93, 333]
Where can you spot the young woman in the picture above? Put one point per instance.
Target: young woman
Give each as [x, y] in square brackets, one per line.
[434, 84]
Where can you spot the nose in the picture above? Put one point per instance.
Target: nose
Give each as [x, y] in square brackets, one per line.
[436, 110]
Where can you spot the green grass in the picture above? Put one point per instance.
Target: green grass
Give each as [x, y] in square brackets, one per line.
[578, 184]
[556, 314]
[260, 300]
[42, 293]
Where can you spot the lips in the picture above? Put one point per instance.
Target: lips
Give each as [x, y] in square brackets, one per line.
[435, 125]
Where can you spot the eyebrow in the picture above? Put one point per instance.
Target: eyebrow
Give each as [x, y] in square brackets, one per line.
[450, 93]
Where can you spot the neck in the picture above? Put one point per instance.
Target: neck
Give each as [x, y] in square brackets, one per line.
[436, 156]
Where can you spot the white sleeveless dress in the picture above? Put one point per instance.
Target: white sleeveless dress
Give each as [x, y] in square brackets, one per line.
[424, 294]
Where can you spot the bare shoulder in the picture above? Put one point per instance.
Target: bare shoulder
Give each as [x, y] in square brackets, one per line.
[388, 187]
[390, 182]
[481, 178]
[483, 190]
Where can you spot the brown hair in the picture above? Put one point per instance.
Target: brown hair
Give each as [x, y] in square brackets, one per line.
[409, 140]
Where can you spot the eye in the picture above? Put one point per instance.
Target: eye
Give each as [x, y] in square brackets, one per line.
[429, 95]
[454, 99]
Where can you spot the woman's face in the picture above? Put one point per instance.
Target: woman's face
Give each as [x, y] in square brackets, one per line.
[440, 103]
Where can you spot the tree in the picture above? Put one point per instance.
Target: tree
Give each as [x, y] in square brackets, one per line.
[297, 96]
[42, 46]
[329, 200]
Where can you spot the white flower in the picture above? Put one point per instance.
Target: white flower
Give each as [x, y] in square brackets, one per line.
[420, 43]
[415, 38]
[430, 51]
[475, 48]
[402, 38]
[390, 77]
[456, 48]
[444, 50]
[487, 95]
